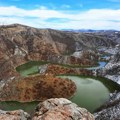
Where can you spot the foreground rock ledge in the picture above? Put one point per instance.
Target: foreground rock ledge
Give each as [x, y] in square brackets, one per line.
[14, 115]
[51, 109]
[61, 109]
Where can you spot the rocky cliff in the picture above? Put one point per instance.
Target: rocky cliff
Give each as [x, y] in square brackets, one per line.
[112, 69]
[111, 109]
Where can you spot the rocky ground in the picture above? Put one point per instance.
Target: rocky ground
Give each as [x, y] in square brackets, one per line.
[14, 115]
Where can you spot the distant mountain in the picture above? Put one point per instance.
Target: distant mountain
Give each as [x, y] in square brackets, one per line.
[89, 30]
[114, 35]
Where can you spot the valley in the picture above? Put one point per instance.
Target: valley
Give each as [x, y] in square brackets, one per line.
[39, 64]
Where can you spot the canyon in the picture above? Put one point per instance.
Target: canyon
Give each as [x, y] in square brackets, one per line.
[31, 61]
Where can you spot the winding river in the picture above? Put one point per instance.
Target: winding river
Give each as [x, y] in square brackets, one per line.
[101, 65]
[91, 92]
[14, 105]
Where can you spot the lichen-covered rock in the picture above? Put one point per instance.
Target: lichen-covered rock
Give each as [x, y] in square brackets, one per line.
[61, 109]
[14, 115]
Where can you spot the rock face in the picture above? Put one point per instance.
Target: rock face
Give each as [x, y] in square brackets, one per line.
[112, 69]
[61, 109]
[14, 115]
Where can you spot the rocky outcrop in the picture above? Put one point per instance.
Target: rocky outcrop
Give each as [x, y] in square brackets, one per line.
[61, 109]
[112, 69]
[14, 115]
[111, 110]
[43, 68]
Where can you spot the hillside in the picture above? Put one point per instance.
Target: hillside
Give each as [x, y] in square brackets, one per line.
[28, 40]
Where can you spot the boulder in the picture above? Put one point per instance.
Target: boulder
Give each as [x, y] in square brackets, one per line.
[60, 109]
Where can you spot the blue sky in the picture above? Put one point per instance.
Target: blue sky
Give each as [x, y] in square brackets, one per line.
[62, 14]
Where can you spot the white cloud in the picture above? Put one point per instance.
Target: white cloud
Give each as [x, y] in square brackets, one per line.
[42, 12]
[91, 19]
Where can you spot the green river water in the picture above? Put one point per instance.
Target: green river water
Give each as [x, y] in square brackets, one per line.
[91, 92]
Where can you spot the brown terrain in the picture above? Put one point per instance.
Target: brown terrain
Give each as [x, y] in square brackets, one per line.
[20, 44]
[61, 70]
[37, 88]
